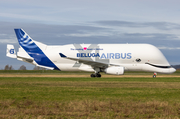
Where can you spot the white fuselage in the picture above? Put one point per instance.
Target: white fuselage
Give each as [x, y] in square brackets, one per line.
[133, 57]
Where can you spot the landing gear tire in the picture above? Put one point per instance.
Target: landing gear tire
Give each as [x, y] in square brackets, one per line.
[96, 75]
[93, 75]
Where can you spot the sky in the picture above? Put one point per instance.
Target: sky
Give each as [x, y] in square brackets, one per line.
[59, 22]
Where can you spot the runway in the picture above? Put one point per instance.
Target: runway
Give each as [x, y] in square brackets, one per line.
[82, 75]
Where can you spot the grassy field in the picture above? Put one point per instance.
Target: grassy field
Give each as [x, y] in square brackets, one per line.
[41, 97]
[47, 72]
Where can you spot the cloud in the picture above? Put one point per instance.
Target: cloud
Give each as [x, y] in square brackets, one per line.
[90, 34]
[65, 34]
[155, 36]
[3, 34]
[169, 48]
[8, 41]
[157, 25]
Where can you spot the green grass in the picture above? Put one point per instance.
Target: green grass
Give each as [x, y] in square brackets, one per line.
[72, 72]
[89, 97]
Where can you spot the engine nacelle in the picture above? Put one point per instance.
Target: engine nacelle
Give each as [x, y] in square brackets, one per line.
[114, 70]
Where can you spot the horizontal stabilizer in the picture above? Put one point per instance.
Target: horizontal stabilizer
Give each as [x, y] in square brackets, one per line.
[29, 60]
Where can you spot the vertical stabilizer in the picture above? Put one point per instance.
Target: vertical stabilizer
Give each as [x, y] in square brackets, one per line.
[34, 49]
[26, 42]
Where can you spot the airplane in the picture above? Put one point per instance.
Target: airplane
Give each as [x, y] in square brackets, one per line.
[112, 59]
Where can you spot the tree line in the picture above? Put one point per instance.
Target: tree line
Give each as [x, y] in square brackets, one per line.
[9, 67]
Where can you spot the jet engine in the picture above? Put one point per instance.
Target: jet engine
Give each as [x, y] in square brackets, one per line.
[114, 70]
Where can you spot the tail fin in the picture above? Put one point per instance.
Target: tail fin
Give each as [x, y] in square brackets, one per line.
[11, 51]
[26, 42]
[31, 47]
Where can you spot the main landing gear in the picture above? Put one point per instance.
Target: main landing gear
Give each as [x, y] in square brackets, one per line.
[154, 75]
[96, 75]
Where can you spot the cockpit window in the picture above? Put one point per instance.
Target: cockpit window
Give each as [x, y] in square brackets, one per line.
[138, 60]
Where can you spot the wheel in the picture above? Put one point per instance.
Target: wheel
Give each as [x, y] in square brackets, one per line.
[93, 75]
[154, 76]
[98, 75]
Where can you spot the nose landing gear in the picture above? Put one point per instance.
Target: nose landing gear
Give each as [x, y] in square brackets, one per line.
[154, 75]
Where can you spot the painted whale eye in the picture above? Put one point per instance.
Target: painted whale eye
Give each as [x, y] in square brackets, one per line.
[138, 60]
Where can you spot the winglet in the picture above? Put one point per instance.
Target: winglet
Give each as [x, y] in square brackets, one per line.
[62, 55]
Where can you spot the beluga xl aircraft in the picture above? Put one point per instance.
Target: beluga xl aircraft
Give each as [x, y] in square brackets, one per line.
[109, 58]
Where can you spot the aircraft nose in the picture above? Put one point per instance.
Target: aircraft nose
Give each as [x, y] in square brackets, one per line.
[172, 70]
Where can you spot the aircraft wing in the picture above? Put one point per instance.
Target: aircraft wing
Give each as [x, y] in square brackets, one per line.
[89, 62]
